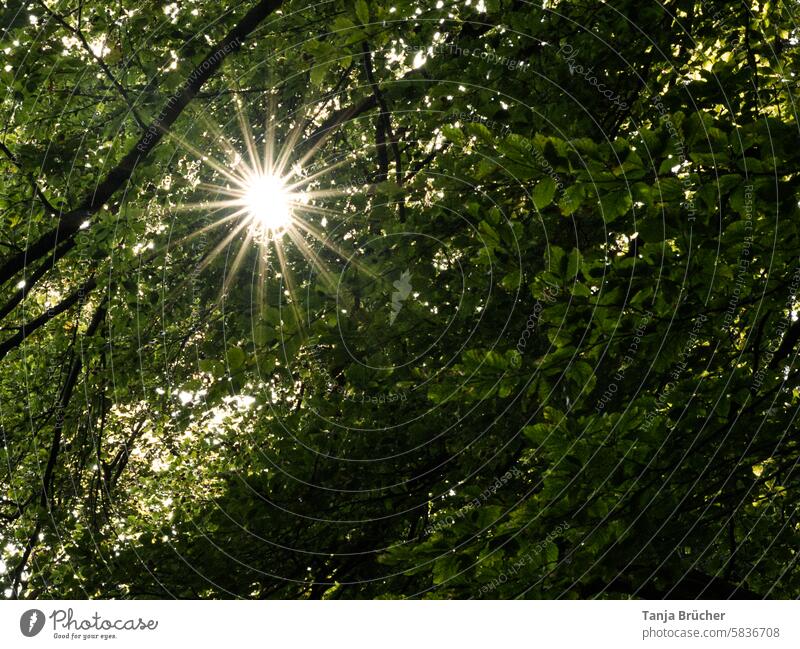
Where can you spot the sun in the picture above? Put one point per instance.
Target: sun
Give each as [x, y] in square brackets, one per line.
[268, 204]
[269, 196]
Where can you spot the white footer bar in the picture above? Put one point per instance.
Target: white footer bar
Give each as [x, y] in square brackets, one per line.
[401, 624]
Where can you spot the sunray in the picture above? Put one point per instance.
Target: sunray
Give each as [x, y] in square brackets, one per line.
[319, 174]
[263, 264]
[197, 233]
[219, 136]
[206, 260]
[292, 139]
[216, 206]
[247, 136]
[324, 211]
[209, 160]
[312, 257]
[330, 193]
[269, 135]
[287, 275]
[325, 241]
[189, 237]
[237, 261]
[222, 244]
[320, 141]
[272, 201]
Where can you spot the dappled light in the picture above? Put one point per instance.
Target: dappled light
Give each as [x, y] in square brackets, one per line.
[390, 300]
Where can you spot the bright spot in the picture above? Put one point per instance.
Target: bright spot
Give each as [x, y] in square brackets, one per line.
[268, 203]
[158, 465]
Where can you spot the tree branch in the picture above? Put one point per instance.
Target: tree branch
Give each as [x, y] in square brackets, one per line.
[35, 276]
[119, 175]
[49, 208]
[100, 62]
[28, 328]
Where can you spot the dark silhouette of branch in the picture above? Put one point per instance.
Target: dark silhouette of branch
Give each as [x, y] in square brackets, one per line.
[787, 345]
[99, 60]
[325, 130]
[35, 276]
[63, 402]
[383, 130]
[70, 222]
[47, 479]
[29, 327]
[48, 206]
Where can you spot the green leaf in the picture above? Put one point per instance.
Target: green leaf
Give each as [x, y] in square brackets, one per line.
[511, 281]
[554, 259]
[543, 193]
[236, 358]
[537, 433]
[573, 263]
[615, 204]
[453, 133]
[362, 11]
[571, 200]
[317, 73]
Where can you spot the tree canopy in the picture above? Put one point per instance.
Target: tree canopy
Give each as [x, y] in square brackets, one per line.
[517, 316]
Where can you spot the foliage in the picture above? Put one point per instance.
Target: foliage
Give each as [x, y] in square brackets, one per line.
[585, 386]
